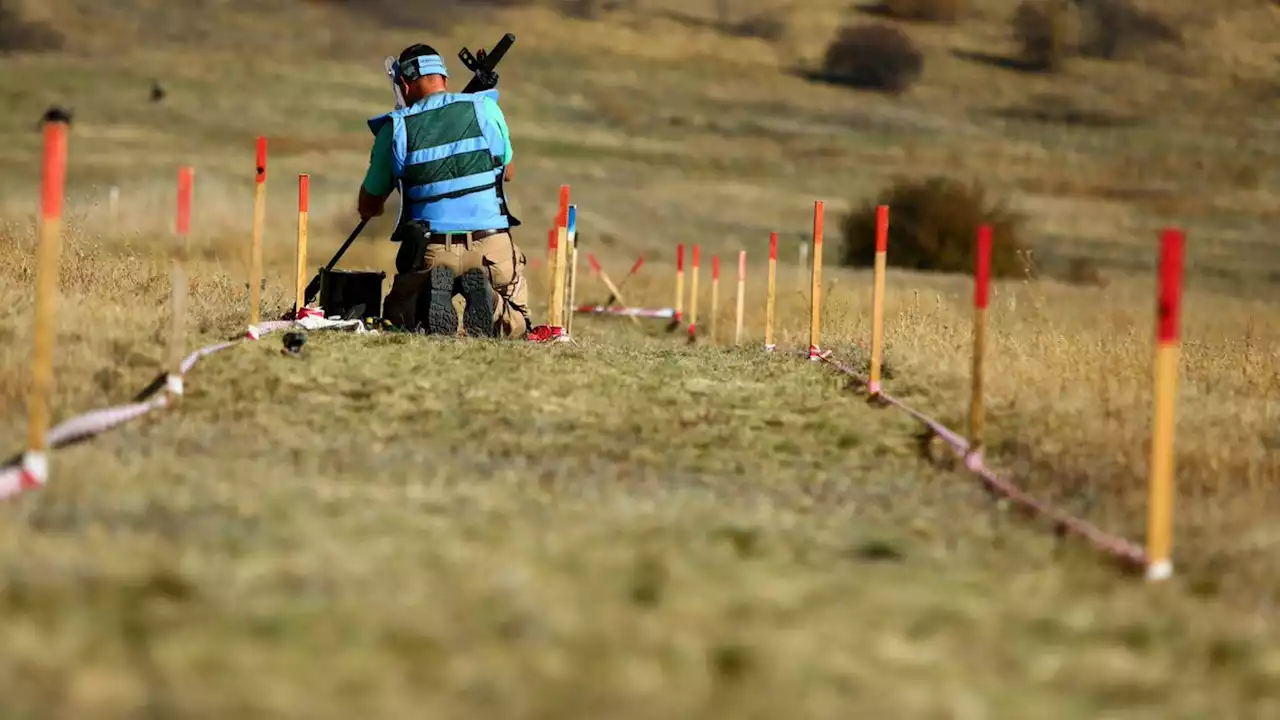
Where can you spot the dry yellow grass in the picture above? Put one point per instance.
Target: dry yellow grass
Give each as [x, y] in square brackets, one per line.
[321, 538]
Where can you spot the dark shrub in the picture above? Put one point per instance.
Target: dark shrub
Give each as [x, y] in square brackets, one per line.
[933, 224]
[1040, 27]
[18, 34]
[1113, 28]
[873, 57]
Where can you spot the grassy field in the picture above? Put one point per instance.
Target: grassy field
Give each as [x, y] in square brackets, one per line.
[630, 526]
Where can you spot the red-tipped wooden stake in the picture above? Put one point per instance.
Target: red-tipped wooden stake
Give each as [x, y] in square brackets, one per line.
[877, 299]
[742, 297]
[715, 299]
[555, 311]
[553, 250]
[679, 283]
[815, 289]
[304, 209]
[1160, 490]
[255, 263]
[981, 293]
[771, 300]
[693, 295]
[48, 256]
[178, 283]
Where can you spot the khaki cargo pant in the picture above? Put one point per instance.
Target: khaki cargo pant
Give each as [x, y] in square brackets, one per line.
[500, 259]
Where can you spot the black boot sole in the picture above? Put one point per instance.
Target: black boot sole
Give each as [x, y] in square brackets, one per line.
[477, 317]
[441, 317]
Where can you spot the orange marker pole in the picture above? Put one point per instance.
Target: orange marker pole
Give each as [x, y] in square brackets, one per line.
[255, 262]
[555, 311]
[877, 299]
[742, 296]
[1160, 488]
[815, 289]
[715, 298]
[304, 209]
[35, 469]
[679, 283]
[693, 295]
[771, 300]
[981, 297]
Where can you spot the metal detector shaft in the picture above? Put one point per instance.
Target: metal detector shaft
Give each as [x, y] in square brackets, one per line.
[313, 287]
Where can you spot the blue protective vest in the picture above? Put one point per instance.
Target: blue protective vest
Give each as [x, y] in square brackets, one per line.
[447, 154]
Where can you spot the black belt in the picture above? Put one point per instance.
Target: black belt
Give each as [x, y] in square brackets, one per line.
[446, 238]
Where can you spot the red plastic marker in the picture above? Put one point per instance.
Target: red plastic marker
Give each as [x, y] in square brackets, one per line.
[262, 160]
[982, 269]
[562, 218]
[185, 178]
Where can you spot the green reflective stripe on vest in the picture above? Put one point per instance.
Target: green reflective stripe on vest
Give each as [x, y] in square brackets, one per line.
[442, 126]
[448, 168]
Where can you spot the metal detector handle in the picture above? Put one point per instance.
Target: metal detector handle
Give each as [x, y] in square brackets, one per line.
[313, 287]
[485, 76]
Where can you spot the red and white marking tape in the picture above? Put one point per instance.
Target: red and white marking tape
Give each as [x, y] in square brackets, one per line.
[31, 471]
[1118, 547]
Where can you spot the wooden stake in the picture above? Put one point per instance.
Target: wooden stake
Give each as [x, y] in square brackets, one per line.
[555, 306]
[715, 299]
[178, 283]
[815, 289]
[48, 259]
[304, 208]
[259, 216]
[634, 269]
[981, 297]
[1160, 483]
[877, 299]
[693, 295]
[571, 234]
[178, 326]
[679, 283]
[771, 299]
[742, 296]
[614, 290]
